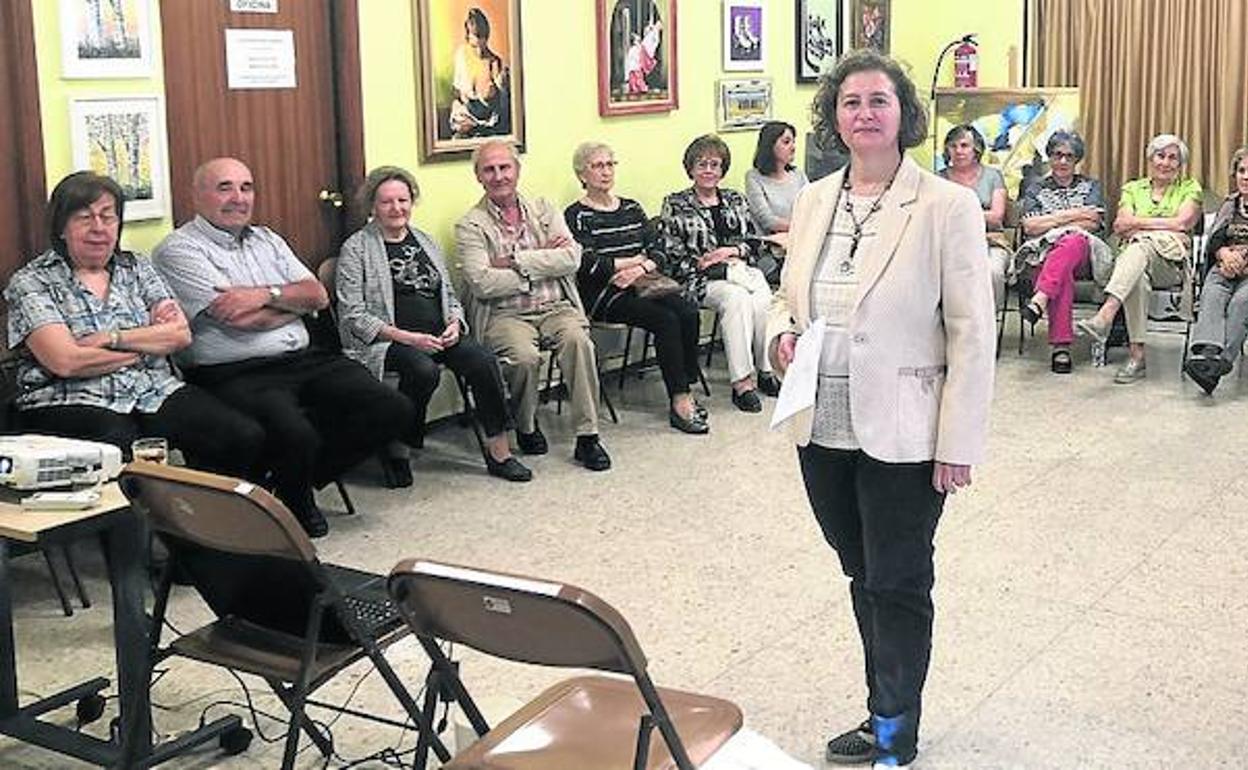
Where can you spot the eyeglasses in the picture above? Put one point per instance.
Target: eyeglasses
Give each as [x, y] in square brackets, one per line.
[709, 164]
[86, 218]
[1059, 155]
[603, 165]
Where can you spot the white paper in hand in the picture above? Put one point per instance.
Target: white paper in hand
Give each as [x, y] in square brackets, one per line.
[797, 392]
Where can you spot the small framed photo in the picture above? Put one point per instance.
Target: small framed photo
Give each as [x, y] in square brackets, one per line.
[124, 138]
[636, 56]
[745, 36]
[744, 103]
[818, 31]
[871, 22]
[470, 69]
[106, 39]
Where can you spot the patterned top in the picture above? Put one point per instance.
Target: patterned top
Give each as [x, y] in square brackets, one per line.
[832, 298]
[46, 291]
[198, 258]
[542, 292]
[1137, 195]
[606, 236]
[1047, 196]
[689, 232]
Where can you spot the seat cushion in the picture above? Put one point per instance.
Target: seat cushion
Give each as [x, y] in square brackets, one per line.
[590, 723]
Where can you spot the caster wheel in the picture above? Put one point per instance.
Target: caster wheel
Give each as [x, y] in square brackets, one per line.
[90, 708]
[235, 741]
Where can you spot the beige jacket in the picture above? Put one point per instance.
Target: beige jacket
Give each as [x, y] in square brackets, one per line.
[477, 236]
[922, 330]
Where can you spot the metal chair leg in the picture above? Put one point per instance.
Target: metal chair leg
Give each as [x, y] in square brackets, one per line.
[68, 554]
[346, 498]
[66, 607]
[710, 346]
[628, 346]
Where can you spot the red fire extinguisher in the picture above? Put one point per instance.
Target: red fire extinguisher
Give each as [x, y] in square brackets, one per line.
[966, 65]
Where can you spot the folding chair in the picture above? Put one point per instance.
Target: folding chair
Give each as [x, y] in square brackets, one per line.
[583, 723]
[282, 614]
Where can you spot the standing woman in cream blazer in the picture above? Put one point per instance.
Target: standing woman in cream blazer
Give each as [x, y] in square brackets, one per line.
[892, 260]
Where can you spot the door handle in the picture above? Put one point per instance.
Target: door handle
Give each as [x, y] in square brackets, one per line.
[332, 197]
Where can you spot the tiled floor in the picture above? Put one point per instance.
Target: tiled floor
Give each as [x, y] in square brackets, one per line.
[1092, 609]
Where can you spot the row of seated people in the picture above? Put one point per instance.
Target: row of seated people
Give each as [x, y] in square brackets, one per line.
[1065, 234]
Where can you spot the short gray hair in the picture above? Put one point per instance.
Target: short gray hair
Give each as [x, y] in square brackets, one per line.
[1161, 142]
[491, 144]
[586, 150]
[1069, 138]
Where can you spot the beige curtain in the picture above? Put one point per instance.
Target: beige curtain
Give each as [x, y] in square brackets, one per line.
[1146, 67]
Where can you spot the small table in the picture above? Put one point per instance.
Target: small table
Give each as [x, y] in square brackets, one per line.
[121, 538]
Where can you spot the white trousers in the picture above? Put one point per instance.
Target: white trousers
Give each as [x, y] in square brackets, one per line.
[742, 325]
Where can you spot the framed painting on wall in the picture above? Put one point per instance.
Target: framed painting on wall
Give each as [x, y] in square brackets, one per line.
[124, 138]
[636, 56]
[818, 37]
[1016, 124]
[469, 65]
[745, 35]
[105, 39]
[744, 103]
[871, 24]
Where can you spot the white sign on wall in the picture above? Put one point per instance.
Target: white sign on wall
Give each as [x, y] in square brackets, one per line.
[253, 6]
[260, 58]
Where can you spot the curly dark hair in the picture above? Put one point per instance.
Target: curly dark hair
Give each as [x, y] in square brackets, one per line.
[77, 192]
[707, 144]
[765, 152]
[913, 129]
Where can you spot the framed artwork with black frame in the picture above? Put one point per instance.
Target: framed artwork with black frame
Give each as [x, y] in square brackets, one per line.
[818, 37]
[636, 56]
[468, 62]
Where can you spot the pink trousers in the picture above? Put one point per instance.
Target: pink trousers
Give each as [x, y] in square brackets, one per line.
[1057, 282]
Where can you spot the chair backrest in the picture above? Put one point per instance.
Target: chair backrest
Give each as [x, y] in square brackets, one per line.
[238, 545]
[327, 274]
[515, 617]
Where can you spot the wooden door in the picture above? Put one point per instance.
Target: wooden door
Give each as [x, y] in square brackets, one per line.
[298, 142]
[22, 190]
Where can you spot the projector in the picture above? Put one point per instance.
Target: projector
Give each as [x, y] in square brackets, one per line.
[47, 462]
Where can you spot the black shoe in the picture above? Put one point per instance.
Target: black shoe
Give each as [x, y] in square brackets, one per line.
[747, 401]
[1060, 361]
[1031, 313]
[532, 443]
[590, 453]
[694, 424]
[768, 384]
[700, 411]
[397, 472]
[312, 521]
[1201, 375]
[510, 469]
[855, 747]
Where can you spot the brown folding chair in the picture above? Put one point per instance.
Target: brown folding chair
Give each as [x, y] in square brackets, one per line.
[282, 614]
[583, 723]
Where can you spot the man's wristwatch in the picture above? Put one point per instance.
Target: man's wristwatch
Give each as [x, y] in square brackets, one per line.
[275, 294]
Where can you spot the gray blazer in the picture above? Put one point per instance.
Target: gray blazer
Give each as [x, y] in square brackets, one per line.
[365, 293]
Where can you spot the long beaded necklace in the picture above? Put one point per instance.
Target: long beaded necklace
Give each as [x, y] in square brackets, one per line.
[847, 264]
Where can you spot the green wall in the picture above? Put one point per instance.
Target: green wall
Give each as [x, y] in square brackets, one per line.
[560, 77]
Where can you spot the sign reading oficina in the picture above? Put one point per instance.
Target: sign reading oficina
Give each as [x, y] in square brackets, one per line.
[253, 6]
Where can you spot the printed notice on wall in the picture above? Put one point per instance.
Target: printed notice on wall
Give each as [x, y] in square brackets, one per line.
[260, 58]
[253, 6]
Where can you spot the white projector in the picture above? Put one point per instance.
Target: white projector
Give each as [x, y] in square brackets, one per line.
[48, 462]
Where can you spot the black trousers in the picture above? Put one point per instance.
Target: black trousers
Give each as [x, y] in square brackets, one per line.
[212, 436]
[881, 519]
[322, 414]
[420, 372]
[676, 326]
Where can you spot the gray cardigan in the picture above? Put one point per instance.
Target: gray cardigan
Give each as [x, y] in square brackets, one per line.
[365, 291]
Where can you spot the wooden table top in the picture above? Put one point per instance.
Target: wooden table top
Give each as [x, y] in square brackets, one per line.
[18, 523]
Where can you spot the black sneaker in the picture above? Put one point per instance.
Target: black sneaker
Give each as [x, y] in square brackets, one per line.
[532, 443]
[747, 401]
[855, 747]
[590, 453]
[510, 469]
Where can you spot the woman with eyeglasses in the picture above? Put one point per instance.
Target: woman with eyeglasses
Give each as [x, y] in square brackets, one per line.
[1063, 217]
[94, 327]
[711, 248]
[964, 149]
[1156, 216]
[619, 259]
